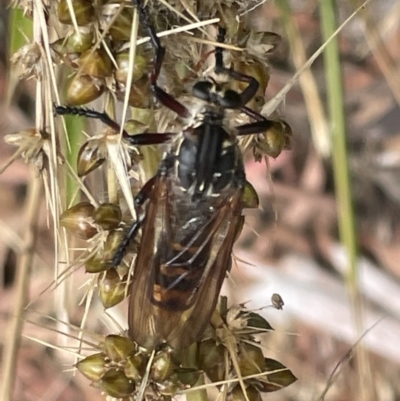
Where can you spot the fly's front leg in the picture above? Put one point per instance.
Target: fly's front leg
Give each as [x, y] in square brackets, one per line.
[85, 112]
[276, 136]
[162, 96]
[146, 138]
[253, 84]
[258, 127]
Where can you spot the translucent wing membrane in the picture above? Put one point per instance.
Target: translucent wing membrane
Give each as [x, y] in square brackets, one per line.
[180, 267]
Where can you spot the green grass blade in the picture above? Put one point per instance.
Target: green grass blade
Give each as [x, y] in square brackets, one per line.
[343, 185]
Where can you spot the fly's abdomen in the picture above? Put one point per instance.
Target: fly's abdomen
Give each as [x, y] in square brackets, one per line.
[179, 272]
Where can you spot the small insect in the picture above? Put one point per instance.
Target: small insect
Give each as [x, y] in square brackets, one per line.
[190, 211]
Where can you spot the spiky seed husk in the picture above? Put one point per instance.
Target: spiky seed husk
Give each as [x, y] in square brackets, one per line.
[113, 240]
[107, 216]
[211, 359]
[80, 41]
[273, 141]
[75, 43]
[162, 367]
[251, 392]
[210, 354]
[258, 322]
[32, 145]
[135, 366]
[96, 264]
[116, 384]
[111, 289]
[83, 89]
[78, 220]
[275, 381]
[96, 63]
[187, 376]
[93, 366]
[251, 359]
[83, 10]
[139, 69]
[26, 61]
[140, 95]
[118, 348]
[121, 28]
[217, 373]
[90, 157]
[250, 199]
[168, 387]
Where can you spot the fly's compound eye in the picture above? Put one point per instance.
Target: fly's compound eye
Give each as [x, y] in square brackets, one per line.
[230, 100]
[202, 90]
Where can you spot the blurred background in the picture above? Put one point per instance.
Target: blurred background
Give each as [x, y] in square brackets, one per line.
[296, 244]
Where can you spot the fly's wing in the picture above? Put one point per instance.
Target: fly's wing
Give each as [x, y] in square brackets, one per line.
[177, 312]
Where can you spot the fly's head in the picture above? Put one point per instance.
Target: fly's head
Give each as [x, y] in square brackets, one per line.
[217, 93]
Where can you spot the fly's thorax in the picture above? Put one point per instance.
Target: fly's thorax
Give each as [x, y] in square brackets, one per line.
[207, 160]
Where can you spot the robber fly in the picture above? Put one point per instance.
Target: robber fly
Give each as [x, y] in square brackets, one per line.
[189, 212]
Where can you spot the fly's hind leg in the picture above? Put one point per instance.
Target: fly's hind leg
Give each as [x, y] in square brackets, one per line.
[133, 230]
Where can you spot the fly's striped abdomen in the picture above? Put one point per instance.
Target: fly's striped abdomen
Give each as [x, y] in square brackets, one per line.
[180, 266]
